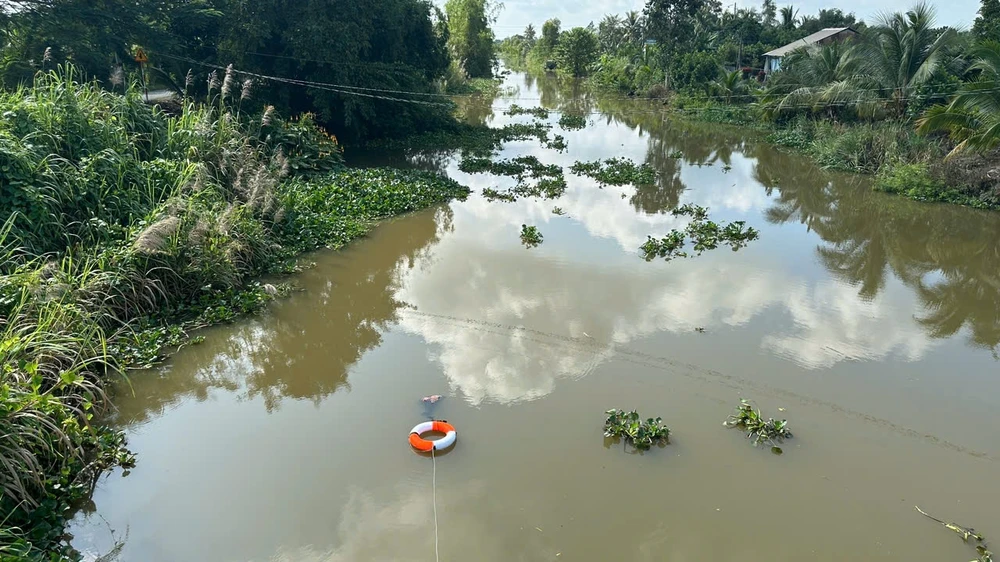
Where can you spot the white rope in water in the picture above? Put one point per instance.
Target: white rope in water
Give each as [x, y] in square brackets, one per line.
[434, 472]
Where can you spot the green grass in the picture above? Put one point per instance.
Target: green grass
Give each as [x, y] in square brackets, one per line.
[129, 229]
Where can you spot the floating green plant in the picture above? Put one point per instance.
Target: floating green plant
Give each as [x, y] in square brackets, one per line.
[967, 534]
[703, 233]
[767, 431]
[558, 143]
[630, 427]
[558, 211]
[675, 154]
[534, 179]
[537, 112]
[530, 236]
[519, 167]
[615, 171]
[476, 139]
[570, 122]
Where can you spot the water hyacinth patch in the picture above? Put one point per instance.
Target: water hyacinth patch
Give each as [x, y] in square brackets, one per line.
[701, 232]
[615, 171]
[533, 178]
[571, 122]
[641, 434]
[530, 236]
[536, 112]
[759, 430]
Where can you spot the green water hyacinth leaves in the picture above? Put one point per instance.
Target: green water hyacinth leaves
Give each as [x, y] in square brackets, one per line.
[702, 233]
[570, 122]
[536, 112]
[615, 171]
[759, 430]
[641, 434]
[479, 140]
[530, 236]
[533, 178]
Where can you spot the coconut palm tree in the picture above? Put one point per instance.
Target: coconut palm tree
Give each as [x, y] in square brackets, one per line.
[819, 78]
[789, 17]
[901, 52]
[768, 11]
[973, 115]
[611, 33]
[730, 87]
[635, 27]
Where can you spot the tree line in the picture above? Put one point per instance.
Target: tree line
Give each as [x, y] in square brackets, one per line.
[899, 68]
[369, 53]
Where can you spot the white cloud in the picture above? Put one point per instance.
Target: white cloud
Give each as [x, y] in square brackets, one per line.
[519, 13]
[506, 325]
[398, 530]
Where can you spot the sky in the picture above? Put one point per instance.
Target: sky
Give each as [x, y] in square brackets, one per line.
[516, 14]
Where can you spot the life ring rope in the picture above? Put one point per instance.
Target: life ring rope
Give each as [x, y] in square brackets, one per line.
[427, 445]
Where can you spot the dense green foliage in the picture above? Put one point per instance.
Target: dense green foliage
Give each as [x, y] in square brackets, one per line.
[470, 38]
[571, 52]
[972, 117]
[128, 229]
[368, 53]
[577, 51]
[987, 24]
[853, 104]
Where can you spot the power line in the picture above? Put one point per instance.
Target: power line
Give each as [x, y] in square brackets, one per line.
[338, 88]
[373, 93]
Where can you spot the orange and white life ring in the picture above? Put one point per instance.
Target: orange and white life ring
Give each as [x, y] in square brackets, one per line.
[426, 445]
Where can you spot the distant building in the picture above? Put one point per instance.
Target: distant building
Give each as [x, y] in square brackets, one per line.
[772, 59]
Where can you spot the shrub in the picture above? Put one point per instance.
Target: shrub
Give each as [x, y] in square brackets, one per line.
[866, 148]
[657, 91]
[691, 71]
[917, 182]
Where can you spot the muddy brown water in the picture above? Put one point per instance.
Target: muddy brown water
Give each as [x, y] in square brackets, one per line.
[870, 322]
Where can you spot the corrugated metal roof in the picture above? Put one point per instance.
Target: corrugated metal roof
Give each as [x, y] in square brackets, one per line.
[806, 41]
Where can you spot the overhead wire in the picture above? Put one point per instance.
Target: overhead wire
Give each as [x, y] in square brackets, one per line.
[371, 92]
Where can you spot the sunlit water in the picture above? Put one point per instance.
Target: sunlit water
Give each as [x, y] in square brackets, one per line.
[870, 322]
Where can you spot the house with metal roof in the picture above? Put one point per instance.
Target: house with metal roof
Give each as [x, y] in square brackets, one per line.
[772, 59]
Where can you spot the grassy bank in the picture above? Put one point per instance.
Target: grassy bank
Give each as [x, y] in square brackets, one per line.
[128, 228]
[902, 161]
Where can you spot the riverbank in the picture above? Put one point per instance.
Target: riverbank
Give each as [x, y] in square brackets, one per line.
[130, 228]
[902, 161]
